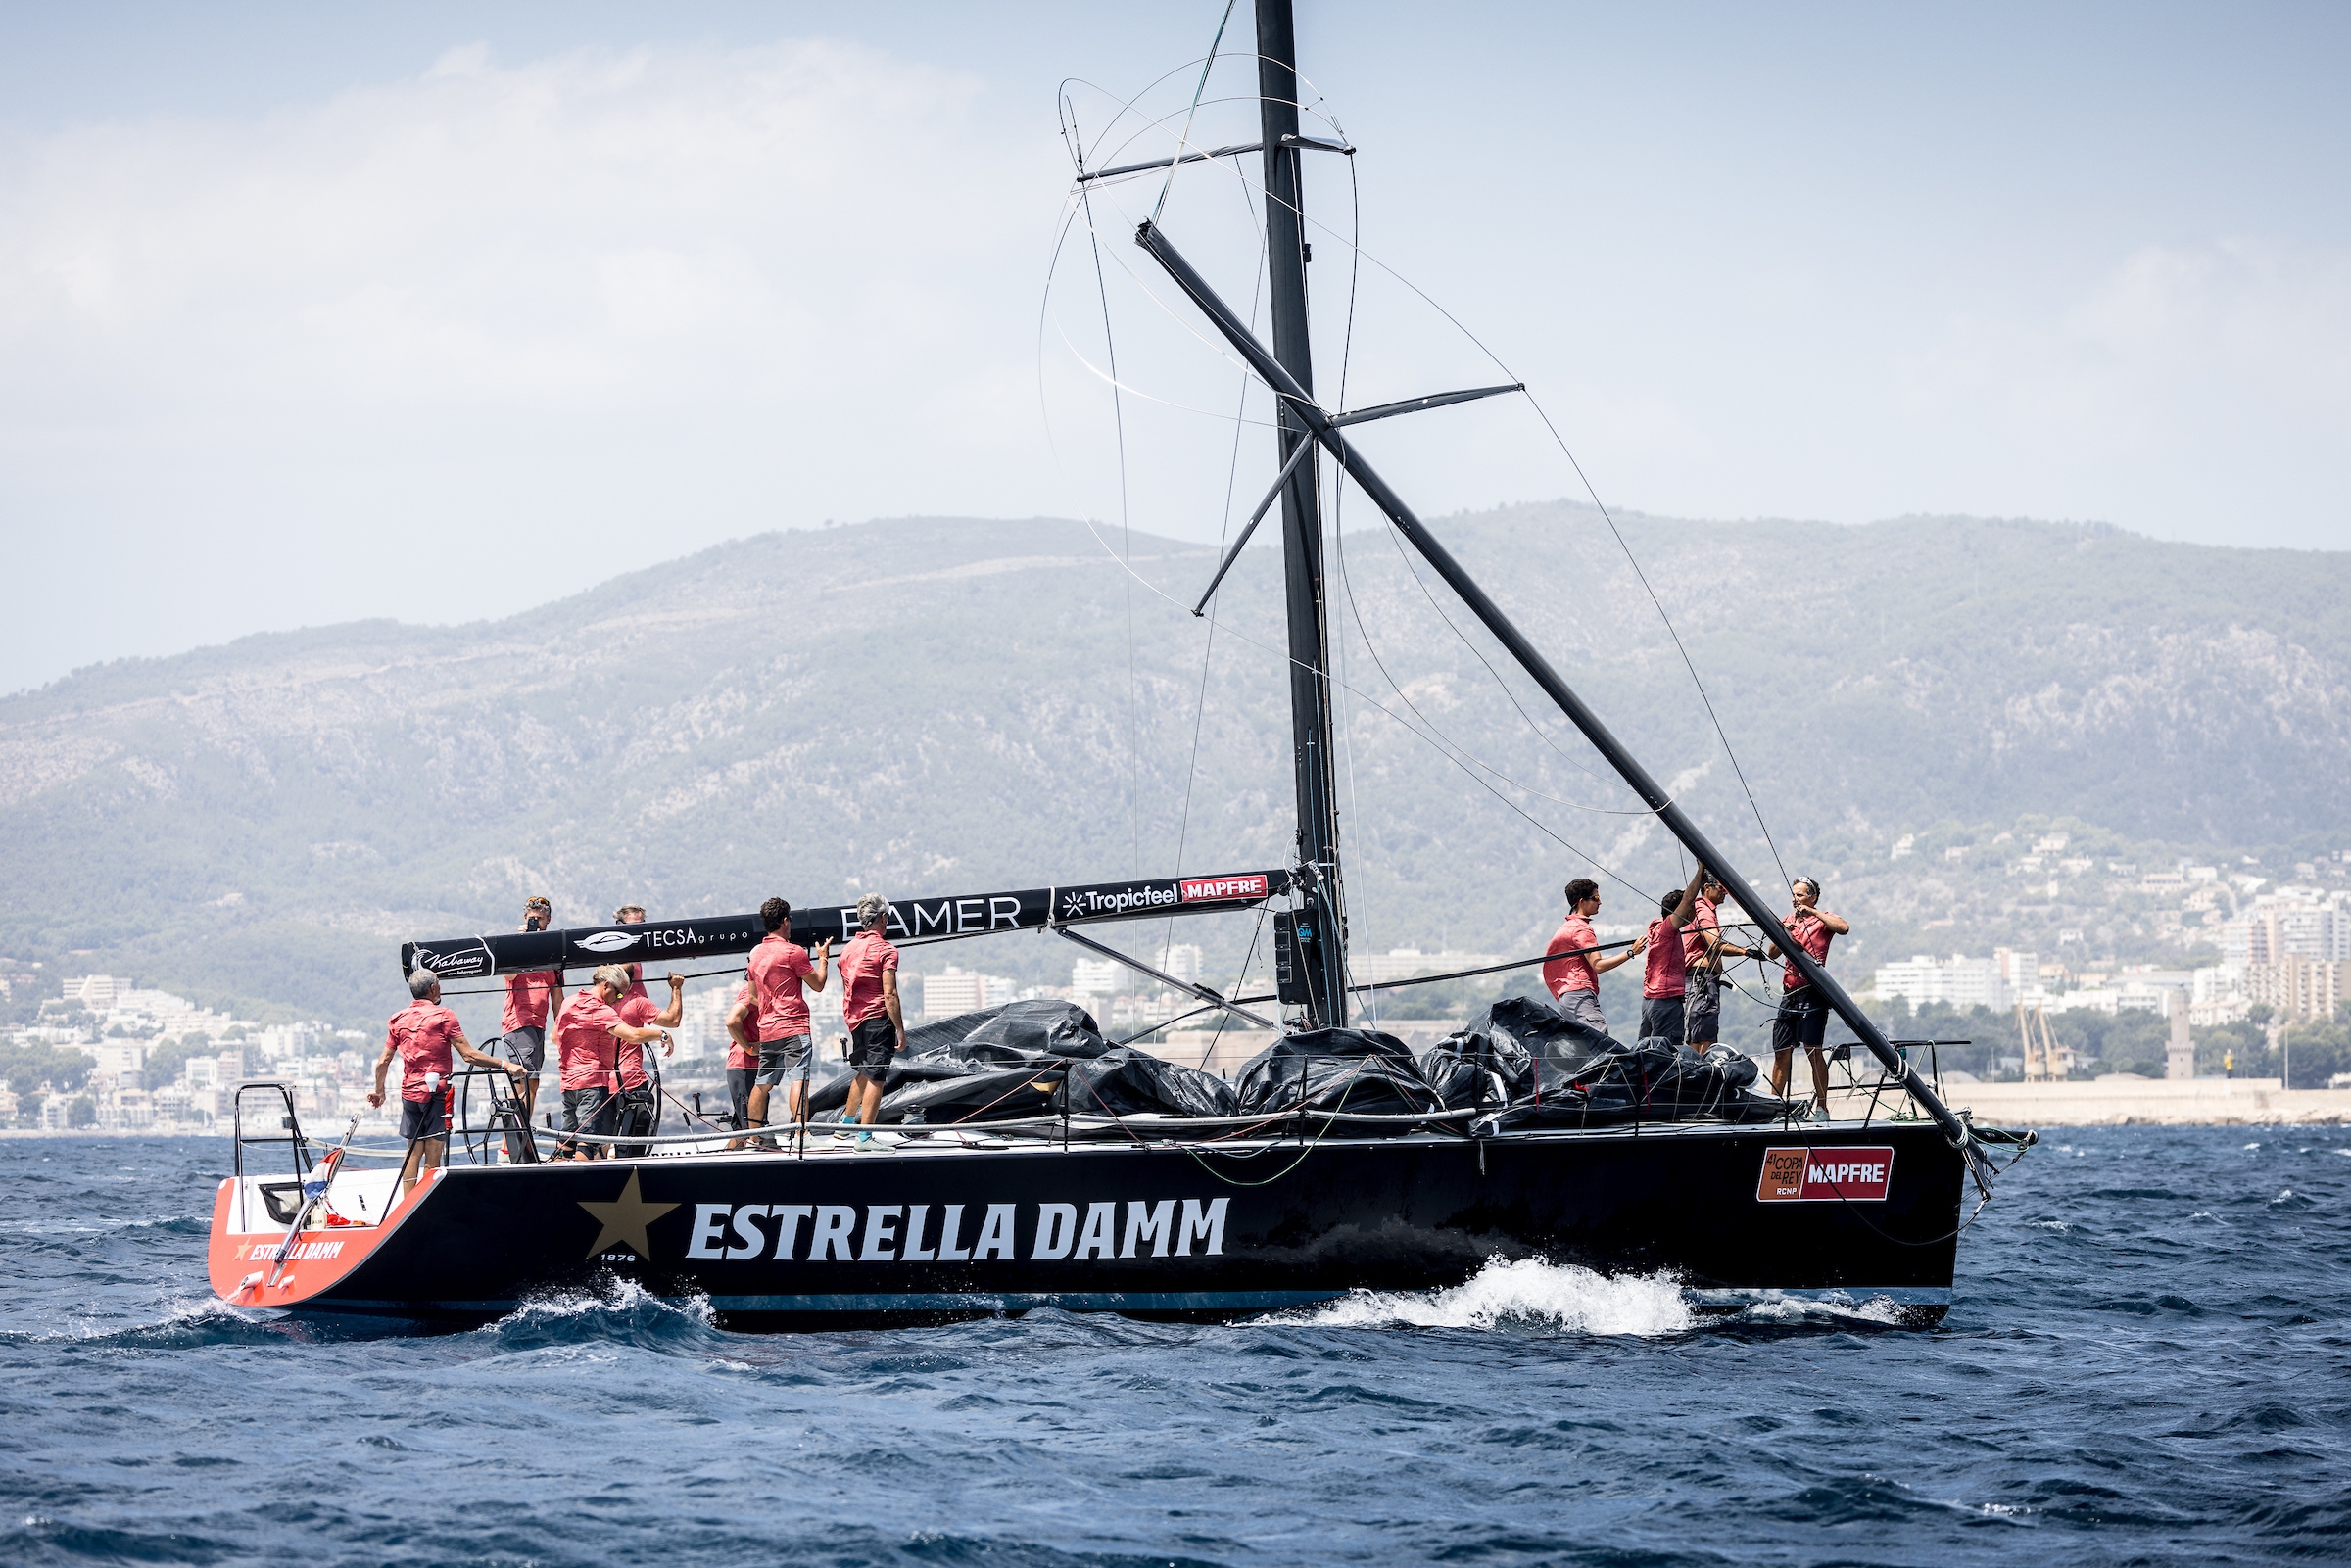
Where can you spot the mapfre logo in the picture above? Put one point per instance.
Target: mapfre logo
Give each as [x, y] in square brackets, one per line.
[1823, 1176]
[607, 941]
[1218, 889]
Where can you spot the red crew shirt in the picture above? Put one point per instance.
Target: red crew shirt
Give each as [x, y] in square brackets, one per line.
[636, 983]
[862, 962]
[1668, 971]
[583, 1043]
[775, 967]
[1694, 943]
[424, 1034]
[628, 1055]
[1572, 973]
[740, 1060]
[1812, 934]
[526, 998]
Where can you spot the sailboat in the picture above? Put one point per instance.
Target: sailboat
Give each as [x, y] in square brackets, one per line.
[1094, 1181]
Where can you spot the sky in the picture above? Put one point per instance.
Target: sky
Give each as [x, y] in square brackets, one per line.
[436, 311]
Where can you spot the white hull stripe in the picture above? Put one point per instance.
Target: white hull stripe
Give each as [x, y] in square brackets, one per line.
[1255, 1301]
[1840, 1296]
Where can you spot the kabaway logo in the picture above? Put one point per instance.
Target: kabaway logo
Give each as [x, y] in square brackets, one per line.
[607, 941]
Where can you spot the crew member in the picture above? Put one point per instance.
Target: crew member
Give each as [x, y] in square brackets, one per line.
[1803, 1015]
[1573, 970]
[632, 914]
[529, 998]
[779, 969]
[588, 1032]
[638, 1114]
[869, 1006]
[423, 1035]
[1702, 952]
[742, 1060]
[1665, 976]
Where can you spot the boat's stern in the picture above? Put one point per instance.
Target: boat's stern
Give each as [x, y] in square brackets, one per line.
[255, 1258]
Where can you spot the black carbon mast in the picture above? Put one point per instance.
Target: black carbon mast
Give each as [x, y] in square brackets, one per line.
[1311, 943]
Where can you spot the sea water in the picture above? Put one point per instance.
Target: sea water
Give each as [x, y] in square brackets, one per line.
[2150, 1360]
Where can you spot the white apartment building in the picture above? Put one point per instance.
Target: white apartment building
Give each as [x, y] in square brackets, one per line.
[1182, 960]
[1956, 982]
[1095, 976]
[961, 990]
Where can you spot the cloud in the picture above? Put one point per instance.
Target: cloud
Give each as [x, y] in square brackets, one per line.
[510, 316]
[2175, 358]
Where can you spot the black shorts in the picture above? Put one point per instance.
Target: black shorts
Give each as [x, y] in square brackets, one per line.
[423, 1118]
[739, 1092]
[527, 1046]
[781, 1056]
[872, 1043]
[1662, 1018]
[1803, 1019]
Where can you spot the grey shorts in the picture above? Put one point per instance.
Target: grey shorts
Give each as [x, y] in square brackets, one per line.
[527, 1046]
[1583, 1007]
[780, 1058]
[1662, 1018]
[1705, 1004]
[872, 1043]
[423, 1118]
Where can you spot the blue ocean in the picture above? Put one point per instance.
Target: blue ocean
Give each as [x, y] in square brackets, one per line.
[2150, 1362]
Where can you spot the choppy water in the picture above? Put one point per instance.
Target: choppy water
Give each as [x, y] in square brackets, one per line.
[2151, 1361]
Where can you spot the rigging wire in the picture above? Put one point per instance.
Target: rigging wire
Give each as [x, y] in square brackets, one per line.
[1689, 664]
[1081, 206]
[1134, 719]
[1185, 140]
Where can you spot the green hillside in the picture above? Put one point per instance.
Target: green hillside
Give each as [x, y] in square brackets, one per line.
[942, 705]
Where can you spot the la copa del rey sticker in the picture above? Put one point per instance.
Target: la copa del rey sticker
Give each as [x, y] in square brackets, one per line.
[1818, 1175]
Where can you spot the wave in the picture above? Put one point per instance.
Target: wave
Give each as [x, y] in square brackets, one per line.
[620, 1310]
[1508, 1292]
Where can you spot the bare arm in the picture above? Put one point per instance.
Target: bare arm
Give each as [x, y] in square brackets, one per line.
[632, 1033]
[669, 1015]
[1835, 922]
[483, 1059]
[738, 1016]
[889, 1001]
[1687, 910]
[815, 980]
[375, 1096]
[1602, 966]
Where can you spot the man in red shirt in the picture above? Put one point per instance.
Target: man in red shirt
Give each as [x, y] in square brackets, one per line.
[638, 1113]
[423, 1035]
[869, 1006]
[1702, 952]
[529, 997]
[1665, 978]
[1803, 1015]
[1572, 971]
[588, 1032]
[779, 968]
[742, 1059]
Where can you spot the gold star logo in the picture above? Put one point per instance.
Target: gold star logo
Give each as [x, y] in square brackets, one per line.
[625, 1219]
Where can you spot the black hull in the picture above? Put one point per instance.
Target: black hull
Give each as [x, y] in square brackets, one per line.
[1176, 1232]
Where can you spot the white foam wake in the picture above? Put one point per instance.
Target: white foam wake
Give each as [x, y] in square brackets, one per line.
[1529, 1291]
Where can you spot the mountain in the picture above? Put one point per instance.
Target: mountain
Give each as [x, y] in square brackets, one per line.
[942, 705]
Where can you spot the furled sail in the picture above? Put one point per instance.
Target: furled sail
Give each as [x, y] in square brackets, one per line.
[912, 919]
